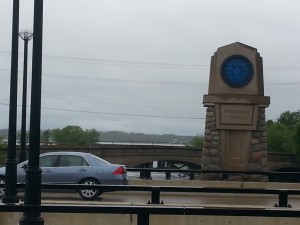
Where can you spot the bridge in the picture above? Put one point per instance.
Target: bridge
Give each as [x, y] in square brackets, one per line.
[136, 155]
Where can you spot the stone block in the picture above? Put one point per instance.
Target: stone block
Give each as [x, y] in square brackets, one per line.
[215, 160]
[208, 138]
[256, 156]
[263, 139]
[214, 152]
[207, 131]
[207, 144]
[254, 141]
[210, 114]
[255, 167]
[256, 147]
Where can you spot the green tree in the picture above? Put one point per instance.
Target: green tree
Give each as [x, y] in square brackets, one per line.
[74, 135]
[2, 144]
[290, 119]
[92, 136]
[269, 123]
[18, 137]
[280, 138]
[297, 138]
[284, 134]
[197, 141]
[46, 136]
[69, 135]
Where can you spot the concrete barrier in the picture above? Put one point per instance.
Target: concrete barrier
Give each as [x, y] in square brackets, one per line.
[110, 219]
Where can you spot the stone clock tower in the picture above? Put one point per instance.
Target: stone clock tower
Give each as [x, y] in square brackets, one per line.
[235, 128]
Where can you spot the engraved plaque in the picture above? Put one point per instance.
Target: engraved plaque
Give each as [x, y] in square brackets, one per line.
[236, 116]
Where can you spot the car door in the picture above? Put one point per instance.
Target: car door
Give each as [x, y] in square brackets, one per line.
[48, 166]
[71, 169]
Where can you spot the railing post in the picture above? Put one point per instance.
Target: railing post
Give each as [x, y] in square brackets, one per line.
[283, 198]
[168, 175]
[155, 195]
[143, 219]
[192, 176]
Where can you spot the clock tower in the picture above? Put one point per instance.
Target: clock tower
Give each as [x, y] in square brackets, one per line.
[235, 128]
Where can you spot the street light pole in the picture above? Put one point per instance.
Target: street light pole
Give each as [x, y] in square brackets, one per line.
[33, 171]
[11, 163]
[25, 36]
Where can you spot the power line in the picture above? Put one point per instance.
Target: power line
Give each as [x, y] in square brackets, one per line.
[133, 63]
[126, 63]
[117, 114]
[146, 82]
[130, 63]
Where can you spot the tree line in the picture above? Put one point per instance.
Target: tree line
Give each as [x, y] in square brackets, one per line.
[283, 135]
[74, 135]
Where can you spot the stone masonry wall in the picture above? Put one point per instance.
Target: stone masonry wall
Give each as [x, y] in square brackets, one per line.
[212, 153]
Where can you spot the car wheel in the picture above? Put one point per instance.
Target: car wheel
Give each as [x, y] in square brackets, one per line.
[2, 181]
[89, 194]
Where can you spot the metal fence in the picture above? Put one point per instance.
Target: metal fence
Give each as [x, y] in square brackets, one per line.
[156, 207]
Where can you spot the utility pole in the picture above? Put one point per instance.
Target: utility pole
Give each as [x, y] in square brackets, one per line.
[25, 36]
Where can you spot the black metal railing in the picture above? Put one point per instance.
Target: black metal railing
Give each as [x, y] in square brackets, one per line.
[146, 172]
[283, 194]
[155, 206]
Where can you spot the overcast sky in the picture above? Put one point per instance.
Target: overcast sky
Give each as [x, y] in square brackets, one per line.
[143, 66]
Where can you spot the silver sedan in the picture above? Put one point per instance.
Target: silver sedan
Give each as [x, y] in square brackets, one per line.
[74, 168]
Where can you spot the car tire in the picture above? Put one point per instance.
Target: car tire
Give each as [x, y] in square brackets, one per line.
[89, 194]
[2, 190]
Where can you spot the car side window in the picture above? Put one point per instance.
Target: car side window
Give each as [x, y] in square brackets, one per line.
[48, 161]
[72, 160]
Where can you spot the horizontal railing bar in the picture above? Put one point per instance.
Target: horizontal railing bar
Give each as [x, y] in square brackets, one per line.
[211, 171]
[150, 209]
[107, 188]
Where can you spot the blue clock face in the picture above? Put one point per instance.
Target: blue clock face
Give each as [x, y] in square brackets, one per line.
[237, 71]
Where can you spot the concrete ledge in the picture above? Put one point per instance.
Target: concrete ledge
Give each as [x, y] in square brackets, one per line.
[107, 219]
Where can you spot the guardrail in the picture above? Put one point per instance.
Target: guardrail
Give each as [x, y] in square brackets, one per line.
[145, 173]
[155, 191]
[155, 206]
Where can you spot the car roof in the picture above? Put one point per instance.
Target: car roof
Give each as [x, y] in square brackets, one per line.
[75, 153]
[66, 153]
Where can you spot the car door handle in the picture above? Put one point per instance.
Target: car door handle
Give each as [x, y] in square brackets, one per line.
[82, 170]
[48, 171]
